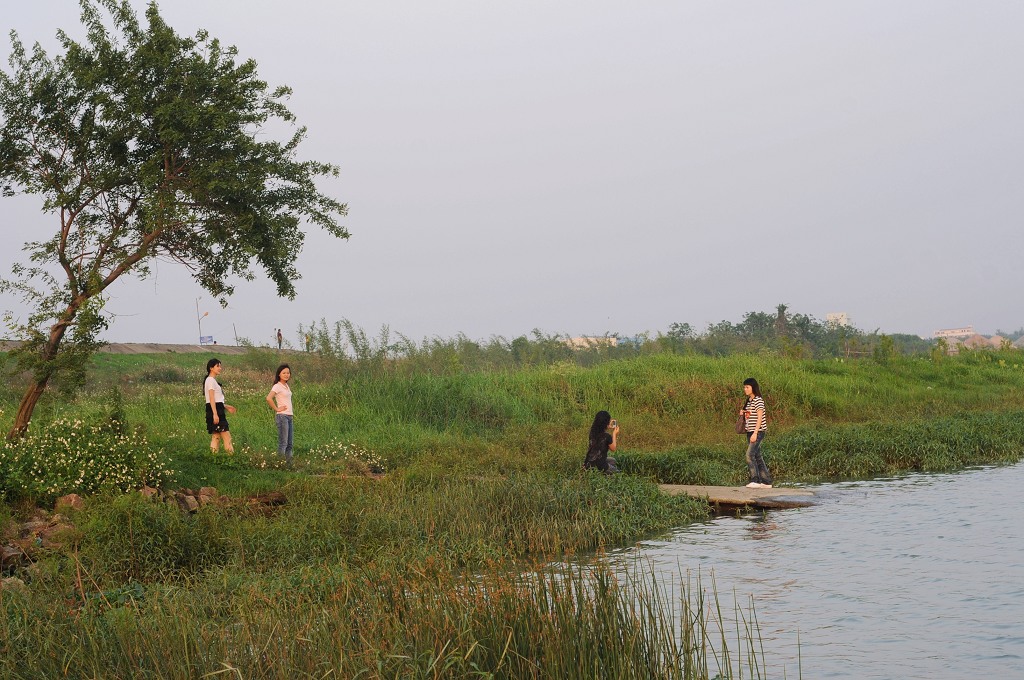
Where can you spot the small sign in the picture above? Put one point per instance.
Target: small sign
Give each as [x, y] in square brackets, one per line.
[205, 339]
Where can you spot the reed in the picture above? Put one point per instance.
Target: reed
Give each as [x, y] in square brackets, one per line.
[675, 412]
[381, 623]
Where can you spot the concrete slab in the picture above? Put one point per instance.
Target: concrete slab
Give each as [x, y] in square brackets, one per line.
[741, 496]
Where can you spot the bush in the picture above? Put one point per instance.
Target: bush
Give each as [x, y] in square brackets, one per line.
[69, 456]
[136, 538]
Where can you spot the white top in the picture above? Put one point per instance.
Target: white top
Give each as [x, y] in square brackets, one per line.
[212, 384]
[283, 395]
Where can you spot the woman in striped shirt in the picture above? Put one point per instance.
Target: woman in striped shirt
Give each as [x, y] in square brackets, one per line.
[757, 427]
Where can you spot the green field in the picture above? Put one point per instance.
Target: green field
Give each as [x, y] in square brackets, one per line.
[436, 568]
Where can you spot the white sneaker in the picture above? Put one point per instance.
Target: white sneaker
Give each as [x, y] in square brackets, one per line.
[753, 485]
[766, 486]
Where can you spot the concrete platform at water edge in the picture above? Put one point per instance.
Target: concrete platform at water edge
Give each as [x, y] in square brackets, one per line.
[730, 497]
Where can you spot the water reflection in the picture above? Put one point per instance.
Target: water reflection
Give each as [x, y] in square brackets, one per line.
[762, 527]
[916, 577]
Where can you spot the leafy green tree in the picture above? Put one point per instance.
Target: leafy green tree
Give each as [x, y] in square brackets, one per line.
[681, 331]
[885, 351]
[143, 144]
[781, 320]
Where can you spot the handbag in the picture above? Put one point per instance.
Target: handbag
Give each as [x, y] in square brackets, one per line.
[741, 423]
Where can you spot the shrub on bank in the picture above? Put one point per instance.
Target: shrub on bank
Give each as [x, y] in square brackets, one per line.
[814, 452]
[134, 538]
[71, 456]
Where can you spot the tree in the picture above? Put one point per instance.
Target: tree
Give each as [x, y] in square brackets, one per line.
[781, 320]
[144, 144]
[680, 331]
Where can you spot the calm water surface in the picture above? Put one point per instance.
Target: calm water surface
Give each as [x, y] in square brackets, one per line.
[917, 577]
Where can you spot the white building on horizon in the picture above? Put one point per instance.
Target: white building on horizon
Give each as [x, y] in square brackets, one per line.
[592, 341]
[837, 319]
[955, 333]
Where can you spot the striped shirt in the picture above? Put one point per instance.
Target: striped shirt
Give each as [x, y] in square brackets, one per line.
[755, 404]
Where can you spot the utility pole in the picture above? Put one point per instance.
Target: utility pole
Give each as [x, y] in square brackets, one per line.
[199, 321]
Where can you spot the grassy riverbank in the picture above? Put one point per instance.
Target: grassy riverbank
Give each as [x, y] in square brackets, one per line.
[829, 419]
[433, 569]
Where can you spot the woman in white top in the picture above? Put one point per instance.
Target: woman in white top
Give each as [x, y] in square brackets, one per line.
[280, 399]
[756, 428]
[216, 418]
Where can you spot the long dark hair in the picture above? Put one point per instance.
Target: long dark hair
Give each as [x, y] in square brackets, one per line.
[754, 387]
[209, 367]
[601, 421]
[277, 376]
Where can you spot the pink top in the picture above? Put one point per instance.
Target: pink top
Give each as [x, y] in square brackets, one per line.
[283, 396]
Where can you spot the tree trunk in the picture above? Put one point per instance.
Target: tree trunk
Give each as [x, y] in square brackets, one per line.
[28, 404]
[42, 377]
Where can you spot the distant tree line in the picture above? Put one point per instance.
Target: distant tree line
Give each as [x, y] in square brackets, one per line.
[782, 333]
[789, 334]
[1012, 336]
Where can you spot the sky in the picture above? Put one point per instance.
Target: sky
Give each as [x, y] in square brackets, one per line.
[599, 167]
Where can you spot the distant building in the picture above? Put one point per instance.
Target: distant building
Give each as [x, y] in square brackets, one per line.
[636, 342]
[837, 319]
[955, 333]
[591, 342]
[996, 341]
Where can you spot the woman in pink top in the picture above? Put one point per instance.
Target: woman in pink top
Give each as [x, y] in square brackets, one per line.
[280, 399]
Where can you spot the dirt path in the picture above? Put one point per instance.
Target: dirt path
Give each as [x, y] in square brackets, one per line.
[151, 348]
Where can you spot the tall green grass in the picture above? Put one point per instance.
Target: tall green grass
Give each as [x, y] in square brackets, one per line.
[675, 412]
[374, 623]
[432, 570]
[816, 452]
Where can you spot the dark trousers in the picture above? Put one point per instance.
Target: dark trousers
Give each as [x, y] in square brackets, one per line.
[755, 461]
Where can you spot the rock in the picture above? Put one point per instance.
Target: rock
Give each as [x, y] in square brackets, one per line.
[12, 556]
[41, 533]
[269, 498]
[149, 492]
[207, 495]
[266, 503]
[32, 528]
[71, 500]
[20, 551]
[191, 504]
[13, 584]
[48, 536]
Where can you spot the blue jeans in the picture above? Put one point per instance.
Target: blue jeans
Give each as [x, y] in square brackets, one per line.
[755, 461]
[285, 435]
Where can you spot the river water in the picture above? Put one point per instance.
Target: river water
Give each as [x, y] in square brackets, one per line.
[915, 577]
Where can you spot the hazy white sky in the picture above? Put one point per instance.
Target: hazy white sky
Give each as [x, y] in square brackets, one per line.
[591, 167]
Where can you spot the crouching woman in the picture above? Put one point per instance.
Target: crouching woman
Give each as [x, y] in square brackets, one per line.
[604, 437]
